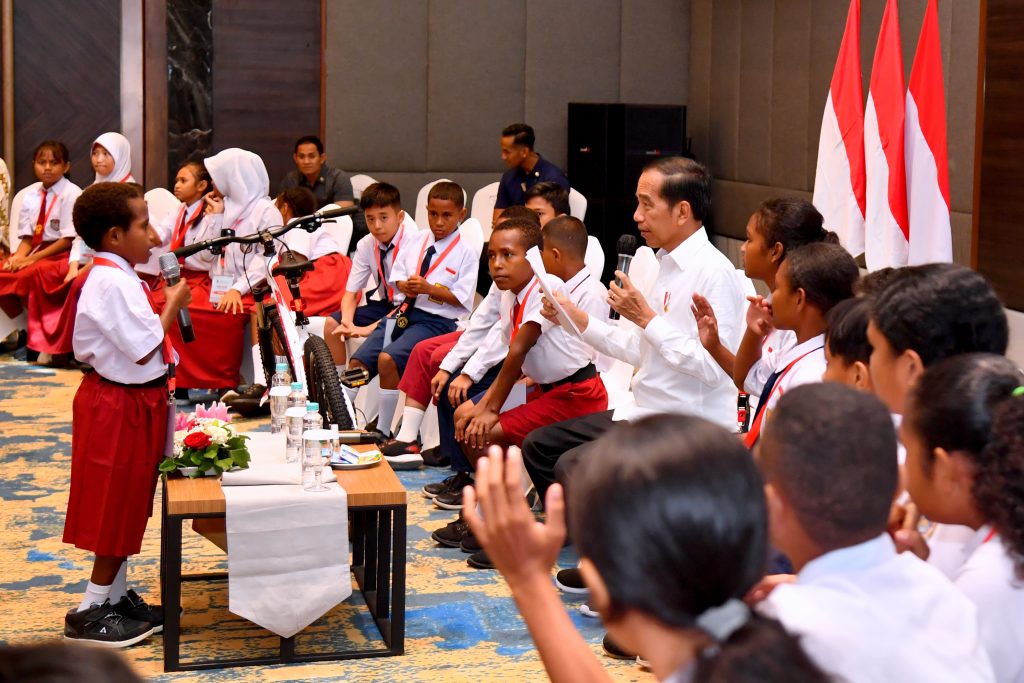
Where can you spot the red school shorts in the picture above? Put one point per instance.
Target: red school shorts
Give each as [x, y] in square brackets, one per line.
[543, 408]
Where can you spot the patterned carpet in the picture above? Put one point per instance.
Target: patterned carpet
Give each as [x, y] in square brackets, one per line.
[461, 623]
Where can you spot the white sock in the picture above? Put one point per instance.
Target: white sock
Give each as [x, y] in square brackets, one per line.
[119, 588]
[351, 393]
[94, 595]
[412, 418]
[259, 375]
[386, 413]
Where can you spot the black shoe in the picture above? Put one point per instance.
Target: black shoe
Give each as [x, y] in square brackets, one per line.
[456, 482]
[253, 392]
[134, 607]
[480, 561]
[394, 448]
[470, 544]
[104, 626]
[452, 534]
[433, 457]
[571, 581]
[450, 500]
[614, 651]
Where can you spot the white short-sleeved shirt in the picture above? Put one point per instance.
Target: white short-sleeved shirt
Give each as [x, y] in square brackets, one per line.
[868, 614]
[808, 365]
[198, 230]
[481, 333]
[115, 325]
[586, 292]
[775, 344]
[364, 261]
[675, 373]
[457, 271]
[988, 577]
[60, 201]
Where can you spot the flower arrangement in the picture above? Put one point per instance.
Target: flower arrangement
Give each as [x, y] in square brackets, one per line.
[205, 443]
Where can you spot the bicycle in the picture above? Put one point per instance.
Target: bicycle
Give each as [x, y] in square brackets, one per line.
[283, 327]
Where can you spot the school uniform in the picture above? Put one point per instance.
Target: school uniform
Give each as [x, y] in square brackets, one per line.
[675, 373]
[120, 412]
[45, 217]
[447, 262]
[868, 613]
[987, 576]
[801, 364]
[775, 343]
[213, 360]
[373, 261]
[319, 287]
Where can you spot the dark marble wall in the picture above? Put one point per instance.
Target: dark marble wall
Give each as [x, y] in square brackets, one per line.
[189, 81]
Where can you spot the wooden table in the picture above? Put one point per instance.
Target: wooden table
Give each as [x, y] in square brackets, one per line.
[377, 515]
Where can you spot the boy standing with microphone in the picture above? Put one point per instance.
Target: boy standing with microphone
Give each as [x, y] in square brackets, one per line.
[120, 412]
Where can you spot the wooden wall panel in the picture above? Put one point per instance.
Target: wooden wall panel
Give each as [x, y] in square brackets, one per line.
[67, 78]
[266, 77]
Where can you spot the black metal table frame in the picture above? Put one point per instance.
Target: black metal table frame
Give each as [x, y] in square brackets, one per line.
[378, 560]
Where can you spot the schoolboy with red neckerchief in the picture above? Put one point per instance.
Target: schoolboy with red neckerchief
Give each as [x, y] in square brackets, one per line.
[120, 412]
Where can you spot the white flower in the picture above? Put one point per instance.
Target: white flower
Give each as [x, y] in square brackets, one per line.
[218, 434]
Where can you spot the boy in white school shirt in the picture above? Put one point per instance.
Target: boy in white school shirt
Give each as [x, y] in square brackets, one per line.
[863, 611]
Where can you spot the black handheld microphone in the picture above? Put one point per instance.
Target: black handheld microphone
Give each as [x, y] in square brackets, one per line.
[172, 274]
[626, 246]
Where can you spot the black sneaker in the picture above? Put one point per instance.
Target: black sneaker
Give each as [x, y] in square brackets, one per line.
[470, 544]
[450, 500]
[480, 561]
[456, 482]
[104, 626]
[394, 448]
[433, 457]
[571, 581]
[134, 607]
[452, 534]
[614, 651]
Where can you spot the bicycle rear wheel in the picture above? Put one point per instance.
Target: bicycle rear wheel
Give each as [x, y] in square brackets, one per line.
[323, 384]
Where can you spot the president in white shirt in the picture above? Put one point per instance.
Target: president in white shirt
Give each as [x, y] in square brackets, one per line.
[674, 373]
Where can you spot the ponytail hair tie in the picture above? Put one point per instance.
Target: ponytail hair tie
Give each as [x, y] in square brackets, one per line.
[722, 621]
[1019, 391]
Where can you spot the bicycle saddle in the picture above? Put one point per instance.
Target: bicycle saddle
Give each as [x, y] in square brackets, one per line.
[289, 266]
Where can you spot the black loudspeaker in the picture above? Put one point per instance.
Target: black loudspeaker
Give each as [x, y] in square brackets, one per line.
[609, 144]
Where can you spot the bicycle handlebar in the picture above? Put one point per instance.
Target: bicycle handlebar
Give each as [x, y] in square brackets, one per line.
[307, 223]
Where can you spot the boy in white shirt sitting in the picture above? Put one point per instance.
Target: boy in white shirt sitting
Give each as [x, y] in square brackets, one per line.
[865, 613]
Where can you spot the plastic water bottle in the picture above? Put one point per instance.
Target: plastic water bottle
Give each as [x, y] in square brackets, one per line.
[312, 420]
[280, 388]
[294, 416]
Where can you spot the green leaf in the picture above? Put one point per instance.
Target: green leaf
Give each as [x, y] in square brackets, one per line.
[168, 465]
[225, 464]
[197, 458]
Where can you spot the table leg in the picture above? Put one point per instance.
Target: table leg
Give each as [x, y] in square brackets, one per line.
[370, 559]
[383, 565]
[170, 567]
[396, 628]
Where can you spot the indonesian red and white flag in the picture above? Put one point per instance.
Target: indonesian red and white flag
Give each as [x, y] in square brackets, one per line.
[931, 238]
[886, 227]
[839, 182]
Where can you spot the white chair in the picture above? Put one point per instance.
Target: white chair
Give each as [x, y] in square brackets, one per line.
[8, 324]
[473, 233]
[483, 207]
[594, 258]
[421, 202]
[360, 182]
[339, 228]
[577, 204]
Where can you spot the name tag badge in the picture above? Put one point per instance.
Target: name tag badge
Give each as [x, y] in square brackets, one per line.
[54, 225]
[220, 286]
[432, 299]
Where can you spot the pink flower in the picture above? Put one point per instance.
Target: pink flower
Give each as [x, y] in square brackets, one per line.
[198, 440]
[216, 410]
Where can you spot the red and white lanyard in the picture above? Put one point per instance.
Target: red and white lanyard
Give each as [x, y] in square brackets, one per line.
[394, 259]
[520, 309]
[755, 429]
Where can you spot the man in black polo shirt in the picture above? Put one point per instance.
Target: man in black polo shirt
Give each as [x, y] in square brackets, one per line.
[329, 185]
[525, 168]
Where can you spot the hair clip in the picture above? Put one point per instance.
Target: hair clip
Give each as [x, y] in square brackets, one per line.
[1019, 391]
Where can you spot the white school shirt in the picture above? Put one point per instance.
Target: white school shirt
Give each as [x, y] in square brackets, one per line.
[557, 353]
[588, 293]
[198, 231]
[869, 614]
[481, 333]
[988, 578]
[364, 261]
[457, 272]
[312, 245]
[59, 222]
[776, 343]
[115, 325]
[80, 251]
[675, 373]
[808, 361]
[245, 269]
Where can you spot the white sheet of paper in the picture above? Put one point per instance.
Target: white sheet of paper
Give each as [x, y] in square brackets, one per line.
[533, 257]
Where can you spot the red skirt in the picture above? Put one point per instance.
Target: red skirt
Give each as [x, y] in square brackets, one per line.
[52, 305]
[213, 360]
[16, 287]
[548, 407]
[117, 441]
[322, 287]
[424, 362]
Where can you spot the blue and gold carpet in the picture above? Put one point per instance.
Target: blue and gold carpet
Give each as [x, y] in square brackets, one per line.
[462, 625]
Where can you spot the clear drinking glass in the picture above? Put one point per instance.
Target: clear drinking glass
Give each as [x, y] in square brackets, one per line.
[316, 450]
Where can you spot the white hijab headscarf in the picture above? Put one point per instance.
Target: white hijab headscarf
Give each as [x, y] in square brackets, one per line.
[241, 177]
[120, 151]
